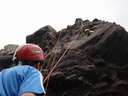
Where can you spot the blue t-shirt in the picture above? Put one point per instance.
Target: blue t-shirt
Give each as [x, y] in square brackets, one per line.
[20, 79]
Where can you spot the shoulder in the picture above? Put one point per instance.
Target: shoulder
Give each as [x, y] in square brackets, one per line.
[23, 70]
[26, 69]
[23, 67]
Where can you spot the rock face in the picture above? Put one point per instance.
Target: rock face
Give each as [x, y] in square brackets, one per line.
[8, 50]
[88, 59]
[6, 56]
[44, 37]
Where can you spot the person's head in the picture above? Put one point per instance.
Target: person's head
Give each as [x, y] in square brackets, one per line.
[29, 54]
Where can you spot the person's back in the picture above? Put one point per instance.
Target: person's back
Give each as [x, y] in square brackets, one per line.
[18, 80]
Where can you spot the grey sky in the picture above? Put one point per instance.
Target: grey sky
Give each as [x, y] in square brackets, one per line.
[18, 18]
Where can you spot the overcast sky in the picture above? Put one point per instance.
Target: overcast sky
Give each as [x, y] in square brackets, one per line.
[19, 18]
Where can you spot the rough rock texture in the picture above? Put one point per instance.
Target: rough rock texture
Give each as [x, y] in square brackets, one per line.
[96, 62]
[44, 37]
[6, 56]
[88, 59]
[5, 62]
[8, 49]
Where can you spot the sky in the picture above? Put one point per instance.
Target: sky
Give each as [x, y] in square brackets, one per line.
[19, 18]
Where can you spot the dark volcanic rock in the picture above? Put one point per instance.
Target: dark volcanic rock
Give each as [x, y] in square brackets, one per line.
[94, 61]
[8, 50]
[88, 58]
[45, 37]
[5, 61]
[6, 56]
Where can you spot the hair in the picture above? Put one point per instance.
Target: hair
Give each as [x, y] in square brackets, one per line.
[26, 62]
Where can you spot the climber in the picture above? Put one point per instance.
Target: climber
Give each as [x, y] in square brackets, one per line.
[25, 79]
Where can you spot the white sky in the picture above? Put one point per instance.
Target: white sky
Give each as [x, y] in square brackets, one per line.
[19, 18]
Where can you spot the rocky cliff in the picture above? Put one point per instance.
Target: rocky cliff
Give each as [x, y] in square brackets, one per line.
[88, 58]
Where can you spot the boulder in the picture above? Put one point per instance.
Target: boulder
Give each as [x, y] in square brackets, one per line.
[6, 56]
[45, 37]
[90, 59]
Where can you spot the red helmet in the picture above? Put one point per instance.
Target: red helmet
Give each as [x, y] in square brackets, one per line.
[29, 52]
